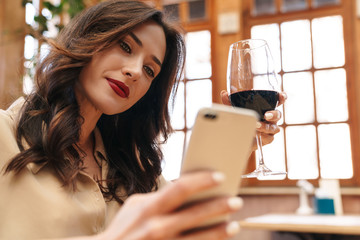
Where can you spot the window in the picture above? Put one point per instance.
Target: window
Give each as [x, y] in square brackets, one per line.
[309, 44]
[31, 47]
[195, 90]
[34, 48]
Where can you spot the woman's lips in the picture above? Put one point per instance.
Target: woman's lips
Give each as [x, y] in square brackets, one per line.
[119, 88]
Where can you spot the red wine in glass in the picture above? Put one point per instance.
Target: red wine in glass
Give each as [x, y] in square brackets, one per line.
[260, 101]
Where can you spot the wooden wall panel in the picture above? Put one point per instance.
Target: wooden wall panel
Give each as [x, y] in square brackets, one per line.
[12, 29]
[222, 43]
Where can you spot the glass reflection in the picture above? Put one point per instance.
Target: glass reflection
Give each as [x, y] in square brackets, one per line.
[322, 3]
[293, 5]
[197, 10]
[264, 7]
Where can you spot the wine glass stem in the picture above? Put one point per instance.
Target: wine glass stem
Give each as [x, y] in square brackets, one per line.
[260, 152]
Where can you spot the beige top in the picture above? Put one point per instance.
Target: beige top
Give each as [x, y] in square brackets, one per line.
[34, 205]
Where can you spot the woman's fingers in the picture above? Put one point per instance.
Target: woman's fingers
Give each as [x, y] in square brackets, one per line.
[272, 116]
[267, 128]
[225, 97]
[191, 217]
[282, 98]
[165, 214]
[175, 194]
[221, 231]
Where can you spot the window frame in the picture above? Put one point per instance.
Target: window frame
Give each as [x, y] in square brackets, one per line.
[195, 25]
[346, 10]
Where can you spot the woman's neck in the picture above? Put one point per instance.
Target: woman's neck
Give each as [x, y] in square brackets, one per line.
[87, 140]
[90, 116]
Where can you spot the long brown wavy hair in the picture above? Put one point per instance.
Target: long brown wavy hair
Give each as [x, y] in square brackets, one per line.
[50, 121]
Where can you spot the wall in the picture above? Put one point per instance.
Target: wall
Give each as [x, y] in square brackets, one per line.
[222, 43]
[12, 26]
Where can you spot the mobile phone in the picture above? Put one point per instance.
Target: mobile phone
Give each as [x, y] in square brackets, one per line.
[221, 140]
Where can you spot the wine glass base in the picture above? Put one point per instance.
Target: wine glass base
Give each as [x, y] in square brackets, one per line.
[263, 171]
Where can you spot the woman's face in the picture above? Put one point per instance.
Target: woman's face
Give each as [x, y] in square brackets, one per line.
[118, 77]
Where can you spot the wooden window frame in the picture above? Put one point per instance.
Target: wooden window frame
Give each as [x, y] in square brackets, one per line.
[194, 26]
[206, 24]
[346, 10]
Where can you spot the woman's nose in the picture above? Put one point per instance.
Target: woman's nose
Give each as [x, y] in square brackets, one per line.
[133, 70]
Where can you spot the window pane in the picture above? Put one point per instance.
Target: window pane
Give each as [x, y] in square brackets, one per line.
[30, 14]
[198, 95]
[172, 11]
[301, 152]
[293, 5]
[173, 151]
[198, 56]
[328, 41]
[177, 109]
[299, 107]
[271, 34]
[197, 10]
[44, 50]
[335, 151]
[321, 3]
[30, 47]
[264, 7]
[296, 45]
[274, 155]
[28, 84]
[331, 95]
[52, 29]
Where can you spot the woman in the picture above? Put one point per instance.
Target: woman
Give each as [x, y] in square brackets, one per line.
[87, 139]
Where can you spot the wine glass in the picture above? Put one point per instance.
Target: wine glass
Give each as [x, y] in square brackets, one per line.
[252, 84]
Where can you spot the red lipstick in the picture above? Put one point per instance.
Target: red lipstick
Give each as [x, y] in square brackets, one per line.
[119, 87]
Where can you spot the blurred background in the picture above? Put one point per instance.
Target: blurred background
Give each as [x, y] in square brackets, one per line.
[316, 48]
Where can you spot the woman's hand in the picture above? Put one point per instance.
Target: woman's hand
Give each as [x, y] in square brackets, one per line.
[162, 214]
[267, 129]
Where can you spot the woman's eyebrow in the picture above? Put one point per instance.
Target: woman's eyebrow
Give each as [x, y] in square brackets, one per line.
[138, 41]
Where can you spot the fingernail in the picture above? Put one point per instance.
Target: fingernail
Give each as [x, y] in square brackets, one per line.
[235, 203]
[218, 177]
[232, 228]
[269, 115]
[284, 95]
[258, 124]
[273, 127]
[222, 92]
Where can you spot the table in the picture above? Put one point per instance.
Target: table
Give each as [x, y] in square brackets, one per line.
[328, 224]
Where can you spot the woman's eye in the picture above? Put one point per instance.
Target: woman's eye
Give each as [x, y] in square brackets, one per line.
[125, 46]
[149, 71]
